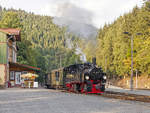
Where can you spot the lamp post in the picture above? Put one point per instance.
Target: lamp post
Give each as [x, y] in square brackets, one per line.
[131, 79]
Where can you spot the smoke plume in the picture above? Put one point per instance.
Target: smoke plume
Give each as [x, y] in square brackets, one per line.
[74, 13]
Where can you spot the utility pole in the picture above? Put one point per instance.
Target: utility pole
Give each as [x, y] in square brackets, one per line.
[131, 81]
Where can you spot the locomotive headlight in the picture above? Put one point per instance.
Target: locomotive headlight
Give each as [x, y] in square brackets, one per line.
[87, 77]
[104, 77]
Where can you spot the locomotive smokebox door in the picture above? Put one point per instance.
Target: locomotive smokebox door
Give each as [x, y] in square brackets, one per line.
[94, 60]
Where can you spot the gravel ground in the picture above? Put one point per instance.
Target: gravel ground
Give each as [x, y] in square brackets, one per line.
[52, 101]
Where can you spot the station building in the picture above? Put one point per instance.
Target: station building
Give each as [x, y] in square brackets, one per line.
[10, 70]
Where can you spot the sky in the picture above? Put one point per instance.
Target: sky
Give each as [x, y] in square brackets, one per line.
[95, 12]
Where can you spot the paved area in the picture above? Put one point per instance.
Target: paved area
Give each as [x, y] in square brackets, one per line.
[52, 101]
[138, 92]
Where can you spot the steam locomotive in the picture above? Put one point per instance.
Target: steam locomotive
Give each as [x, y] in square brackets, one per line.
[83, 78]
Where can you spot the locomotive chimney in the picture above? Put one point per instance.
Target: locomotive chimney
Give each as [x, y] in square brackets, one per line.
[94, 60]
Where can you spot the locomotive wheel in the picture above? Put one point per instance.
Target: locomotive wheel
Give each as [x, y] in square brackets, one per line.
[85, 88]
[74, 88]
[48, 86]
[103, 88]
[78, 87]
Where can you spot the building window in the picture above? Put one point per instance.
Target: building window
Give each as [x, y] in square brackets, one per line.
[12, 75]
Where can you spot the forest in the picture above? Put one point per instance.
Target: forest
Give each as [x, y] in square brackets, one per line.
[113, 50]
[43, 44]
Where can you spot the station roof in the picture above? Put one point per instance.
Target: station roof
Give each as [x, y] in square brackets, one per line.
[12, 31]
[17, 65]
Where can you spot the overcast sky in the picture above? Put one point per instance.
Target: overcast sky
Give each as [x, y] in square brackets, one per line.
[96, 12]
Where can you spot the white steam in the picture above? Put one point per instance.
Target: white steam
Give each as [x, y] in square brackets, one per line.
[74, 13]
[82, 55]
[77, 20]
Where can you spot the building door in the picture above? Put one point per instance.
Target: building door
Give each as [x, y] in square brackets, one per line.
[18, 77]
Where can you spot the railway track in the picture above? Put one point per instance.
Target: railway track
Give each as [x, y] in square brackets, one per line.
[126, 96]
[119, 95]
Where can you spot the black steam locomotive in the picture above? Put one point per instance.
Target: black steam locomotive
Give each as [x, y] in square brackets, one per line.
[84, 78]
